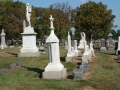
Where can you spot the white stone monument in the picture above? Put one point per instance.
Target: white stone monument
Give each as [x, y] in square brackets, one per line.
[54, 70]
[3, 43]
[118, 44]
[29, 48]
[92, 50]
[70, 55]
[81, 44]
[85, 56]
[75, 47]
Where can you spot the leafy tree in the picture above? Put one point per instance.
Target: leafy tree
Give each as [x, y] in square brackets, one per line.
[61, 12]
[12, 18]
[93, 19]
[114, 34]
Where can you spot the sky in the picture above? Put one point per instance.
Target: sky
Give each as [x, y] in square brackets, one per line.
[111, 4]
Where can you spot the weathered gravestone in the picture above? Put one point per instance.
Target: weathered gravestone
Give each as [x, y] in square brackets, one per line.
[12, 66]
[3, 71]
[78, 73]
[103, 46]
[111, 42]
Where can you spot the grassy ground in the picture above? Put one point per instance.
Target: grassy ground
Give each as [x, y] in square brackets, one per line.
[105, 73]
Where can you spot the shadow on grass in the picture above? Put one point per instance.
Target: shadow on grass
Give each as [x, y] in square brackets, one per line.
[70, 77]
[14, 54]
[39, 71]
[62, 59]
[110, 53]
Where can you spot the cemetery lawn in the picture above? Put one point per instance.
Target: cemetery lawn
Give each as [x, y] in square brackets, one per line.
[104, 72]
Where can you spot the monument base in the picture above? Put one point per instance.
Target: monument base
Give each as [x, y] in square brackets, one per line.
[111, 48]
[55, 74]
[69, 59]
[29, 54]
[85, 58]
[103, 49]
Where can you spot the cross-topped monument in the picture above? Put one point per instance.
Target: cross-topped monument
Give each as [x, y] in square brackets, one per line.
[54, 69]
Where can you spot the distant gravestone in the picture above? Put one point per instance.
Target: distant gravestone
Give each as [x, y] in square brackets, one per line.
[41, 48]
[111, 42]
[85, 56]
[19, 64]
[78, 73]
[103, 46]
[70, 54]
[3, 71]
[3, 42]
[12, 66]
[75, 47]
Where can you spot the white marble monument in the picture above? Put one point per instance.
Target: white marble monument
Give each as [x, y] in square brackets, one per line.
[75, 47]
[92, 50]
[70, 54]
[29, 48]
[118, 44]
[54, 70]
[85, 56]
[3, 43]
[81, 44]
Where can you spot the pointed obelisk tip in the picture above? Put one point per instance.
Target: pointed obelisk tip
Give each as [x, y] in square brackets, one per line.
[2, 30]
[68, 33]
[50, 16]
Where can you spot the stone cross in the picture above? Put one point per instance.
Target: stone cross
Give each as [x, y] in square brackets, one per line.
[51, 22]
[69, 43]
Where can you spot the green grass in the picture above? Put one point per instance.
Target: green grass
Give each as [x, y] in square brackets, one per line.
[105, 75]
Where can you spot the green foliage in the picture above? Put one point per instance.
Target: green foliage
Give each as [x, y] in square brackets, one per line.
[93, 17]
[61, 14]
[114, 34]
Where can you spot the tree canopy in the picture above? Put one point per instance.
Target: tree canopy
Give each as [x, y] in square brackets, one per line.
[93, 18]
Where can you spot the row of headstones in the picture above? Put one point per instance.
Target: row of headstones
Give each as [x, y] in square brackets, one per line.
[11, 66]
[76, 51]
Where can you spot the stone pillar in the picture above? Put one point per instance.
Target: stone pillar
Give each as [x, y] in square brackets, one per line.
[76, 50]
[54, 70]
[70, 55]
[3, 43]
[85, 56]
